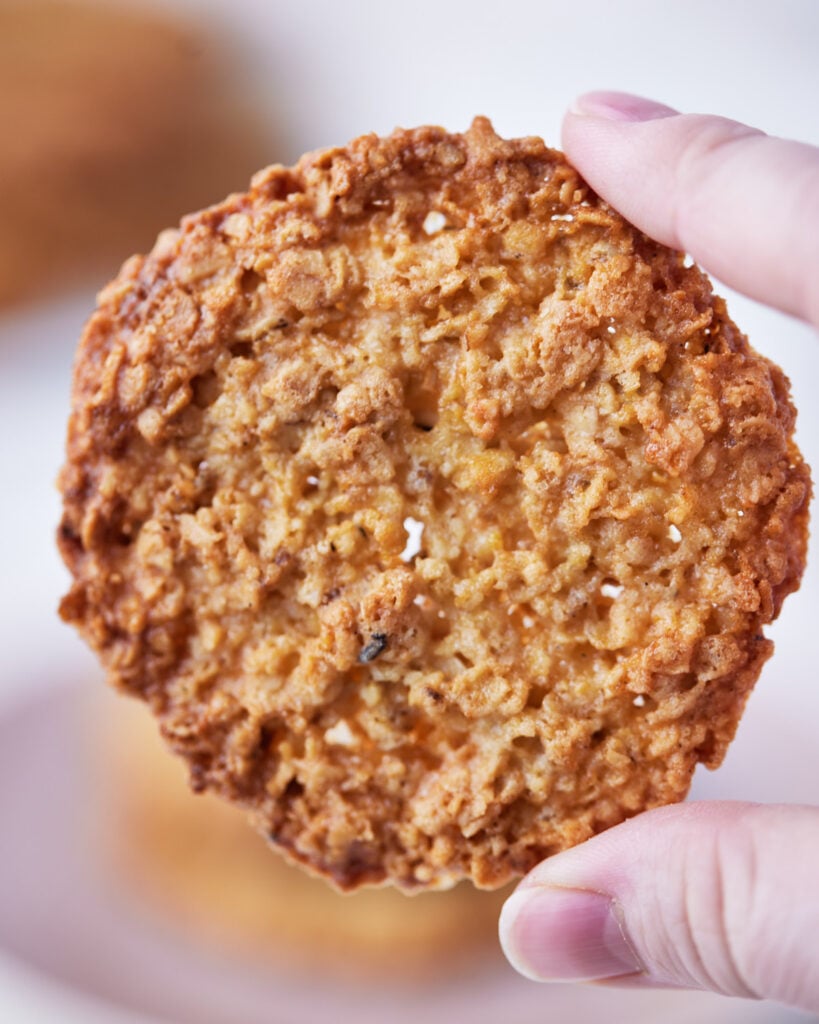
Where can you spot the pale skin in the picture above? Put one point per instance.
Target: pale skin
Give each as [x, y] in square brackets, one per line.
[715, 896]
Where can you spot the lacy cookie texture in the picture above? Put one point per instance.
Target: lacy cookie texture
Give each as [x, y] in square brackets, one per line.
[436, 511]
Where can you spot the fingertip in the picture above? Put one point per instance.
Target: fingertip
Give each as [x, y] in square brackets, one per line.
[611, 105]
[737, 200]
[550, 933]
[702, 895]
[597, 138]
[508, 933]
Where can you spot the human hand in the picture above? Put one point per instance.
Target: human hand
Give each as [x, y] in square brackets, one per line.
[717, 896]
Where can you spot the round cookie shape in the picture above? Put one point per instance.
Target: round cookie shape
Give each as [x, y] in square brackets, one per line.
[434, 509]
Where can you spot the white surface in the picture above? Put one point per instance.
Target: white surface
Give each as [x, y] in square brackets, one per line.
[323, 72]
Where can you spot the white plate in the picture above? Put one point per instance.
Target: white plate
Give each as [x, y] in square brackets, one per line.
[68, 919]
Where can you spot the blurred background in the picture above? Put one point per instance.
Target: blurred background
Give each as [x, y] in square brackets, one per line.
[121, 898]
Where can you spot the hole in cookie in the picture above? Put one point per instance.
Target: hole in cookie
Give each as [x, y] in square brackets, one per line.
[340, 734]
[611, 589]
[205, 388]
[251, 281]
[204, 496]
[434, 222]
[531, 746]
[241, 350]
[422, 403]
[289, 663]
[269, 732]
[598, 736]
[293, 790]
[537, 694]
[489, 283]
[415, 530]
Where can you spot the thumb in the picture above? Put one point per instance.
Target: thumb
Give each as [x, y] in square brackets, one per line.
[718, 896]
[743, 204]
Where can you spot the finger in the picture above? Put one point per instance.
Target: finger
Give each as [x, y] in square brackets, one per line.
[743, 204]
[714, 896]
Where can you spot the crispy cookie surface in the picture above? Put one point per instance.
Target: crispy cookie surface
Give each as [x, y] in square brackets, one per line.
[435, 511]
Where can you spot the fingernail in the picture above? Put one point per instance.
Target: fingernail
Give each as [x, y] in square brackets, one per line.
[552, 934]
[620, 106]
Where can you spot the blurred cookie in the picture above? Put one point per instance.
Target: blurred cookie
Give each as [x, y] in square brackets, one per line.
[115, 121]
[435, 511]
[202, 870]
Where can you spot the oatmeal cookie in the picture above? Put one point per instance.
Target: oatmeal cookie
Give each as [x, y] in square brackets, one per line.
[435, 511]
